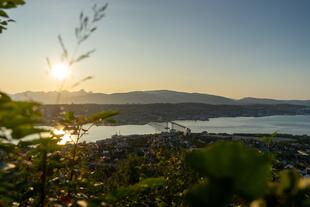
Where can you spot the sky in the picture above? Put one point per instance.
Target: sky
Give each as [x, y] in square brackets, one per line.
[232, 48]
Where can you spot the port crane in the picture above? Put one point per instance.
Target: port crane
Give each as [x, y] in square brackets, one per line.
[170, 127]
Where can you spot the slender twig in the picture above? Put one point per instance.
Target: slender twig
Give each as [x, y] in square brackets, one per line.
[44, 175]
[43, 179]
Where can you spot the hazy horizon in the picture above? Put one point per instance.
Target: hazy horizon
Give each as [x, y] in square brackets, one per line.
[233, 49]
[157, 90]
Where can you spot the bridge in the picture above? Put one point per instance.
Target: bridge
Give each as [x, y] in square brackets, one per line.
[170, 127]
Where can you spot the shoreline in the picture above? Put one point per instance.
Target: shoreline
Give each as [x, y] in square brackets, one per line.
[219, 136]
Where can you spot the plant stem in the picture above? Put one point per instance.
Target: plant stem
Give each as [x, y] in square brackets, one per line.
[43, 179]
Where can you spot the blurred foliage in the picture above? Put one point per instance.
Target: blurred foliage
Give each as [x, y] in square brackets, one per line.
[34, 168]
[231, 170]
[269, 139]
[4, 17]
[144, 193]
[18, 117]
[236, 174]
[162, 164]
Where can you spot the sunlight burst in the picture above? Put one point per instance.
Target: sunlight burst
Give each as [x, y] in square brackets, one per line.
[60, 71]
[65, 136]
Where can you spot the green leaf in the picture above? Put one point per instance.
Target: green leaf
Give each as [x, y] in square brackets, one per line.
[69, 117]
[101, 116]
[8, 4]
[84, 56]
[81, 81]
[65, 53]
[289, 181]
[3, 14]
[234, 166]
[210, 194]
[123, 192]
[4, 98]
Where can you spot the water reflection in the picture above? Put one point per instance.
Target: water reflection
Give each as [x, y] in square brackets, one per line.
[65, 136]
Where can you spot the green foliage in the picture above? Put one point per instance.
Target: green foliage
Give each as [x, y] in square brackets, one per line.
[231, 170]
[75, 169]
[143, 193]
[17, 120]
[236, 174]
[166, 164]
[290, 190]
[129, 171]
[18, 117]
[80, 125]
[37, 168]
[4, 17]
[269, 139]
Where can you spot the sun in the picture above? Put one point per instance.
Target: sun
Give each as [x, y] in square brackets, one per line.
[60, 71]
[66, 137]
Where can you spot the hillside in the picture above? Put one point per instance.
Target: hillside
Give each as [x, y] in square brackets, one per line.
[273, 101]
[145, 97]
[145, 113]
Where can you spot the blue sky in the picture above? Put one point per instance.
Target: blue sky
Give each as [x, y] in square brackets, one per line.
[234, 48]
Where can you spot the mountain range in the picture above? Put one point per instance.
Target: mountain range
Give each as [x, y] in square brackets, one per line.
[144, 97]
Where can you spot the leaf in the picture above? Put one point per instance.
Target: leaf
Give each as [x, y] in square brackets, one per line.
[110, 122]
[81, 16]
[81, 81]
[93, 29]
[69, 117]
[17, 2]
[64, 49]
[243, 169]
[25, 130]
[85, 22]
[49, 63]
[9, 4]
[6, 147]
[19, 117]
[101, 116]
[289, 181]
[4, 98]
[2, 28]
[77, 33]
[104, 7]
[84, 56]
[5, 23]
[3, 14]
[94, 7]
[200, 195]
[149, 183]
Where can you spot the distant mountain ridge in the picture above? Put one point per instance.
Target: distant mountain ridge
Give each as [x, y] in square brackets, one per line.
[144, 97]
[250, 100]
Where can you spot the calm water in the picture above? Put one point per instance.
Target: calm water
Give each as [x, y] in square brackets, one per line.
[298, 125]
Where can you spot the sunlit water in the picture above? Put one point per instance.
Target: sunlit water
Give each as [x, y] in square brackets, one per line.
[297, 125]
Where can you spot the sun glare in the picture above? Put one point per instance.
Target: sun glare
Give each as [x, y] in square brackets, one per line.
[60, 71]
[65, 136]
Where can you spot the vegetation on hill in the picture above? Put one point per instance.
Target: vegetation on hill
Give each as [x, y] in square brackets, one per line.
[146, 113]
